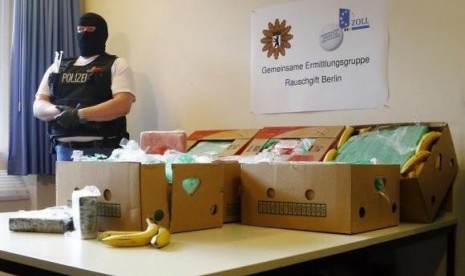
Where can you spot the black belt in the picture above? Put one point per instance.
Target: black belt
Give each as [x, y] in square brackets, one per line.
[105, 143]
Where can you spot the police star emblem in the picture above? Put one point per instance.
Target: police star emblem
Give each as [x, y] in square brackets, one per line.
[276, 39]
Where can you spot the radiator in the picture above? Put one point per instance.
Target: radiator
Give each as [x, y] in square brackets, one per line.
[12, 187]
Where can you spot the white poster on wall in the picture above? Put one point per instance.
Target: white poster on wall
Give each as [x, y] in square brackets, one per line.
[319, 55]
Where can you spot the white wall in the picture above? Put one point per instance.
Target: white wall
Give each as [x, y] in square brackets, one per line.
[5, 24]
[191, 63]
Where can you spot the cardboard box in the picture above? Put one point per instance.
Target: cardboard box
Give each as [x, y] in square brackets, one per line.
[326, 197]
[239, 138]
[423, 197]
[325, 138]
[132, 191]
[232, 196]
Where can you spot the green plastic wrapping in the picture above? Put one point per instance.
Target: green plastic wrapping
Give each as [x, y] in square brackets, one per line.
[210, 148]
[179, 159]
[393, 145]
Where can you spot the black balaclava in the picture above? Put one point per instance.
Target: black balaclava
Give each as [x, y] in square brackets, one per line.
[92, 43]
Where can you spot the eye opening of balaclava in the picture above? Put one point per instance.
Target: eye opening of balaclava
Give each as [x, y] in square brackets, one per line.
[92, 43]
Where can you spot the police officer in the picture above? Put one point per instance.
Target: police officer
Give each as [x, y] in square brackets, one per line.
[85, 99]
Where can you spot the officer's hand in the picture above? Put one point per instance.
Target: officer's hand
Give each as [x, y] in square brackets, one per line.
[63, 107]
[68, 119]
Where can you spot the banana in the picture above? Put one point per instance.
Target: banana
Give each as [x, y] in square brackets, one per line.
[427, 141]
[416, 171]
[104, 234]
[162, 238]
[348, 131]
[411, 174]
[364, 130]
[414, 160]
[330, 155]
[418, 168]
[139, 238]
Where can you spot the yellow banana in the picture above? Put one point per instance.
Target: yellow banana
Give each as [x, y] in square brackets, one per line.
[427, 141]
[330, 155]
[364, 130]
[418, 168]
[348, 131]
[416, 171]
[105, 234]
[162, 238]
[411, 174]
[414, 160]
[139, 238]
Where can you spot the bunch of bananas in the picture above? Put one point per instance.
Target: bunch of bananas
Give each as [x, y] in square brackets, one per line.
[348, 131]
[412, 167]
[154, 235]
[330, 155]
[427, 141]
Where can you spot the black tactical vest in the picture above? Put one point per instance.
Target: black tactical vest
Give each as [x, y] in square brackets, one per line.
[85, 86]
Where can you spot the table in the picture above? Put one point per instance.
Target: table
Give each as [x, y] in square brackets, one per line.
[234, 249]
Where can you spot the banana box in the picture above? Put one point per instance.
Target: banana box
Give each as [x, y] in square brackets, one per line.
[231, 192]
[317, 196]
[223, 143]
[429, 191]
[322, 138]
[427, 173]
[194, 198]
[219, 142]
[131, 192]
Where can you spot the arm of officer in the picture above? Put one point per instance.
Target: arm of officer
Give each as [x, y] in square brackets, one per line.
[43, 109]
[118, 106]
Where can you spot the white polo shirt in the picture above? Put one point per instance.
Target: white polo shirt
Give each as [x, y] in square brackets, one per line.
[121, 76]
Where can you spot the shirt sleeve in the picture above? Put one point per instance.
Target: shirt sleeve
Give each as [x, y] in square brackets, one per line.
[122, 77]
[44, 89]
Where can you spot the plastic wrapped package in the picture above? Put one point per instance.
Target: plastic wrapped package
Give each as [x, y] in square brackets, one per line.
[57, 219]
[210, 148]
[157, 142]
[288, 146]
[84, 205]
[394, 145]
